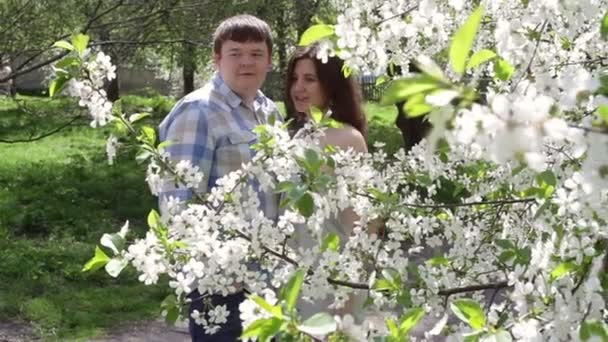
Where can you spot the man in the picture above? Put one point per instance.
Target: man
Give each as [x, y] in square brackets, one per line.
[212, 127]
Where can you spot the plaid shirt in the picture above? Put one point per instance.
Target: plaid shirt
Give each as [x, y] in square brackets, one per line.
[213, 129]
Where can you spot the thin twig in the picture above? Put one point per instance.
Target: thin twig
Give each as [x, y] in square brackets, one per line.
[473, 288]
[529, 67]
[42, 136]
[590, 129]
[455, 205]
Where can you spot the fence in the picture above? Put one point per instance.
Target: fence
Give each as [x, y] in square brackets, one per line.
[369, 89]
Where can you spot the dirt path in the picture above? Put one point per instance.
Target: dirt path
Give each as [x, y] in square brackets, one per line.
[150, 331]
[15, 332]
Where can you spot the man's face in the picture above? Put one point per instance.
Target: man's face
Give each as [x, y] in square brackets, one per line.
[243, 66]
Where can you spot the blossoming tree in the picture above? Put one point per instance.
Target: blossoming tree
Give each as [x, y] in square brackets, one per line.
[494, 228]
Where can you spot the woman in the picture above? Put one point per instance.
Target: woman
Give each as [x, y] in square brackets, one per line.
[312, 83]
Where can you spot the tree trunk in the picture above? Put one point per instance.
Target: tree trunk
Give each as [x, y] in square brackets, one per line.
[188, 68]
[113, 89]
[306, 9]
[412, 129]
[282, 52]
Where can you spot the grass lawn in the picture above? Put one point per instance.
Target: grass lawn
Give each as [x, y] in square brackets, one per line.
[58, 196]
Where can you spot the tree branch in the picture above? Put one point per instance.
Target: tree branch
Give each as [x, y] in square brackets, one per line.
[149, 42]
[473, 288]
[529, 67]
[42, 136]
[590, 129]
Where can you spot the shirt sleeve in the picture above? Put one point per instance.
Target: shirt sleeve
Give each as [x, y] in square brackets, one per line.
[190, 138]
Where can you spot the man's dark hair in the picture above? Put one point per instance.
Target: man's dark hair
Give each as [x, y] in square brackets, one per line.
[242, 28]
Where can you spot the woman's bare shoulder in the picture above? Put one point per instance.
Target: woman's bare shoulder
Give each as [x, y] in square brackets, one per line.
[345, 137]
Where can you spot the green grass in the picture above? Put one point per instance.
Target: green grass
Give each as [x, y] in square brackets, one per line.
[58, 196]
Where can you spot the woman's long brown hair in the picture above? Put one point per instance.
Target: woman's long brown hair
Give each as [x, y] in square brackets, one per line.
[343, 93]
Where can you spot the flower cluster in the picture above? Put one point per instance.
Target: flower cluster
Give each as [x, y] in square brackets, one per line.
[89, 89]
[510, 212]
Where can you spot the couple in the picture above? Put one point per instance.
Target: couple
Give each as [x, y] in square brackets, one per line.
[212, 127]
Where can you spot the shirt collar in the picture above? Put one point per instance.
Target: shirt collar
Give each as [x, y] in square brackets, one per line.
[232, 98]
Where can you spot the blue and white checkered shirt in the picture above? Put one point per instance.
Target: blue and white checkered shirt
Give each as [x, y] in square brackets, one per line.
[212, 128]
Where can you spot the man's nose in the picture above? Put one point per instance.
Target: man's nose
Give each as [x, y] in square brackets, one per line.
[247, 60]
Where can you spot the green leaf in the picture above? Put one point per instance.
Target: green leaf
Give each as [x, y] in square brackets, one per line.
[62, 44]
[562, 269]
[409, 320]
[430, 68]
[505, 244]
[473, 336]
[392, 327]
[274, 310]
[499, 336]
[316, 114]
[284, 186]
[419, 109]
[115, 266]
[172, 309]
[503, 69]
[470, 312]
[115, 242]
[165, 144]
[305, 205]
[137, 116]
[383, 284]
[80, 42]
[346, 71]
[313, 160]
[404, 298]
[393, 276]
[507, 255]
[98, 261]
[331, 242]
[546, 178]
[291, 291]
[439, 261]
[463, 41]
[523, 256]
[154, 219]
[148, 135]
[382, 79]
[401, 89]
[540, 210]
[58, 84]
[602, 114]
[480, 57]
[319, 324]
[263, 329]
[68, 62]
[316, 32]
[143, 155]
[604, 27]
[593, 328]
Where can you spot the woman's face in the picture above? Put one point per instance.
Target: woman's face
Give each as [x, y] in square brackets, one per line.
[306, 90]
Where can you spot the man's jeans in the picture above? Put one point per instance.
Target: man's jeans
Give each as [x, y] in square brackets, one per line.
[230, 331]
